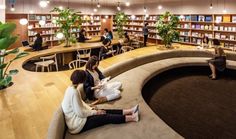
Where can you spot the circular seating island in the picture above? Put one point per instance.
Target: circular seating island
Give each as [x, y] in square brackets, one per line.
[134, 74]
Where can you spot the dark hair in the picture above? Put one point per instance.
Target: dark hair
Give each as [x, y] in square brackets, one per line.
[106, 29]
[38, 35]
[111, 35]
[126, 36]
[146, 24]
[216, 42]
[106, 41]
[93, 60]
[78, 76]
[207, 39]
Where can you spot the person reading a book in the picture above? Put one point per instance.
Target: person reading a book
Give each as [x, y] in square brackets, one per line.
[97, 86]
[80, 117]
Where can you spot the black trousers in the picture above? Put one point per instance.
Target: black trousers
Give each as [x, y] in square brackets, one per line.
[111, 117]
[145, 40]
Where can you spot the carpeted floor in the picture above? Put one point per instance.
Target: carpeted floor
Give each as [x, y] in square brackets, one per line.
[192, 104]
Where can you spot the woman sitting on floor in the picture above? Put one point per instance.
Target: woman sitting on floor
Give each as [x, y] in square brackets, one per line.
[96, 86]
[80, 117]
[219, 60]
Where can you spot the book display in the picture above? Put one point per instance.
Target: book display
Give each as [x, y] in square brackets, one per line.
[92, 24]
[192, 27]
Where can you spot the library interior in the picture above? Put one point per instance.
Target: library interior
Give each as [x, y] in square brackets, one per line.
[81, 69]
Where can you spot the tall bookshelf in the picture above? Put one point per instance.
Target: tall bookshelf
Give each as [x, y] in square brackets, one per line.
[192, 27]
[92, 24]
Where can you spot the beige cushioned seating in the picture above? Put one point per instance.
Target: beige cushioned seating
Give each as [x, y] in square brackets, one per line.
[146, 67]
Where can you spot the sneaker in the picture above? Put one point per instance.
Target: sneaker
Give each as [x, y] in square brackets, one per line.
[135, 108]
[136, 116]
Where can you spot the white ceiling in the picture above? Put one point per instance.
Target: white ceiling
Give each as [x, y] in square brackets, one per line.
[114, 2]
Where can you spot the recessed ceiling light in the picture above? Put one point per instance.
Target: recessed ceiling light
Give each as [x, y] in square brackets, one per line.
[43, 3]
[95, 10]
[160, 7]
[60, 7]
[127, 4]
[224, 11]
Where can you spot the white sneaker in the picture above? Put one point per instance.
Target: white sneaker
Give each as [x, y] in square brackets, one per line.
[135, 108]
[136, 116]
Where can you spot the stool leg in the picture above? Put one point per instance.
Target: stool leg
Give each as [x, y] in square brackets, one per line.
[43, 68]
[48, 68]
[36, 68]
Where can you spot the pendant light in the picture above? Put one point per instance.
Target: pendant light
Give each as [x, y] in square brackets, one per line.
[118, 6]
[160, 6]
[98, 5]
[12, 8]
[23, 21]
[211, 5]
[127, 4]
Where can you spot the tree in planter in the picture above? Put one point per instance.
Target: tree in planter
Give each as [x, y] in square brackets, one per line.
[66, 20]
[120, 20]
[166, 27]
[6, 40]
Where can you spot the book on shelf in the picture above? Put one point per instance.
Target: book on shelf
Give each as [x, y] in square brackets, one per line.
[218, 18]
[198, 26]
[32, 17]
[208, 18]
[232, 37]
[216, 27]
[188, 18]
[201, 18]
[234, 19]
[217, 35]
[194, 18]
[226, 18]
[199, 41]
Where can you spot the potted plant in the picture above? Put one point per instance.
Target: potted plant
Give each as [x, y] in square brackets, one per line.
[6, 40]
[166, 26]
[120, 20]
[67, 20]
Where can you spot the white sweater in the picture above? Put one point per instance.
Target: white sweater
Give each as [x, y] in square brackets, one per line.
[76, 110]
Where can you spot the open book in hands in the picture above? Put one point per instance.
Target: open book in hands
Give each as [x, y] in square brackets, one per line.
[104, 81]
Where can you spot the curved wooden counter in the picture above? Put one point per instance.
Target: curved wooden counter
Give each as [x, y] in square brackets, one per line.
[62, 49]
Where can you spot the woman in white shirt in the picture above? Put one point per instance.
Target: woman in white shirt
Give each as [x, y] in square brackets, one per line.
[80, 117]
[94, 86]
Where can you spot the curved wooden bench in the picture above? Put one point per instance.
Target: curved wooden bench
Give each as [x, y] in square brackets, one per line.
[134, 74]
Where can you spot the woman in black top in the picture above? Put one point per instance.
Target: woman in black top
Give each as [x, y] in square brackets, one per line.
[218, 62]
[205, 42]
[38, 42]
[96, 86]
[82, 37]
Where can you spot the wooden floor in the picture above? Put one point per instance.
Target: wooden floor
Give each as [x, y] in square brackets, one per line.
[27, 107]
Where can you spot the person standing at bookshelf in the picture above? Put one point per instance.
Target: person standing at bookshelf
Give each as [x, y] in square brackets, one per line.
[145, 34]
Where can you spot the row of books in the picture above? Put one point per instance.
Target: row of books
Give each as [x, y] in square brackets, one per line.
[208, 18]
[204, 27]
[45, 38]
[43, 32]
[37, 25]
[90, 24]
[225, 37]
[224, 28]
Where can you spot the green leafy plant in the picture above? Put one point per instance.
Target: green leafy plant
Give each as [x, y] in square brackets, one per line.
[166, 26]
[67, 19]
[120, 20]
[6, 40]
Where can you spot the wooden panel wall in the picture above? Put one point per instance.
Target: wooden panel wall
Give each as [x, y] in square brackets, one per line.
[21, 31]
